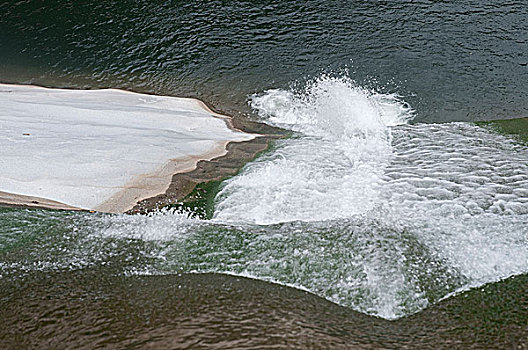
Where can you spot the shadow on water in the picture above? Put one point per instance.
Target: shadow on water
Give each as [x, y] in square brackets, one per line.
[94, 308]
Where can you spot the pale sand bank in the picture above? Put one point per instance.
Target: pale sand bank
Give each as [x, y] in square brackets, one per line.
[17, 200]
[102, 150]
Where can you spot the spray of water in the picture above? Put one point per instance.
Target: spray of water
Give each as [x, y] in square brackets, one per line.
[331, 169]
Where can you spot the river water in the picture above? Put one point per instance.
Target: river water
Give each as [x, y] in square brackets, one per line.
[387, 219]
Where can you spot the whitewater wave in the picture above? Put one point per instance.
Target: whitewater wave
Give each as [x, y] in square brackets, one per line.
[332, 166]
[414, 211]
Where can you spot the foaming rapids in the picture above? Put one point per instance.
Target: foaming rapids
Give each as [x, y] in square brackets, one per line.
[330, 168]
[357, 207]
[401, 215]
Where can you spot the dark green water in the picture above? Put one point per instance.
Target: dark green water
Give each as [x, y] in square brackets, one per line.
[463, 61]
[388, 236]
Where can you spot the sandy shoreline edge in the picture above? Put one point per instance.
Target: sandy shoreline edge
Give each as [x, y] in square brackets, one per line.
[221, 166]
[174, 179]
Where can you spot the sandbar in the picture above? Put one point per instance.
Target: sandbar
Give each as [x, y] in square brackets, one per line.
[106, 150]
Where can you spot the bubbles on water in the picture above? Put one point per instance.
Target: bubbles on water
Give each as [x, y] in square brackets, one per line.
[164, 225]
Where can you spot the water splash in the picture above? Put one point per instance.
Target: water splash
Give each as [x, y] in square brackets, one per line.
[417, 211]
[331, 169]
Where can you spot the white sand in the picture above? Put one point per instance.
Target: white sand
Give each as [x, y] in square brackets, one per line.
[101, 149]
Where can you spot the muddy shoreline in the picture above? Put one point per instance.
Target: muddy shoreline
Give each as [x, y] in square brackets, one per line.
[217, 169]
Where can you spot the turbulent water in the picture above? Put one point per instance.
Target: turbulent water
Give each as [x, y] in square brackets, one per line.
[418, 211]
[357, 206]
[331, 169]
[385, 199]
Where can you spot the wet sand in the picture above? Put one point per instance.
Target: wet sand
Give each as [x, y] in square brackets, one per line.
[217, 169]
[21, 201]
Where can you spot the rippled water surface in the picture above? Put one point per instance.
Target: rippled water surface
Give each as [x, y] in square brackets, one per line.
[451, 61]
[386, 219]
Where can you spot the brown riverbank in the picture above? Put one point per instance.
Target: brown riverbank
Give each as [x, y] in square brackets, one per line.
[217, 169]
[238, 154]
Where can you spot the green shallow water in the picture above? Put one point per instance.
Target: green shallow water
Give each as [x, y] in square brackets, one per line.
[517, 127]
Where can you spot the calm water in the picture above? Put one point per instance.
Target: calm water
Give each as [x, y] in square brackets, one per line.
[386, 220]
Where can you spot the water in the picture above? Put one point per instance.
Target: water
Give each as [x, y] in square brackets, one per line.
[463, 61]
[331, 169]
[378, 207]
[94, 309]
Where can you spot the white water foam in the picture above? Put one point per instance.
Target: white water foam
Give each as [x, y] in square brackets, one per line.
[466, 192]
[331, 169]
[420, 210]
